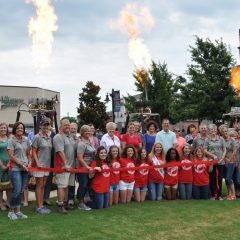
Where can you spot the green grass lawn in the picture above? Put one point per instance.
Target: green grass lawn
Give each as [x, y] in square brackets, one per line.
[149, 220]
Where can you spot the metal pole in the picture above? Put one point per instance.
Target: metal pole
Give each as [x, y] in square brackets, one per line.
[113, 114]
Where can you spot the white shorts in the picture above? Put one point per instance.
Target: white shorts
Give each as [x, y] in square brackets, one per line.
[125, 185]
[63, 180]
[40, 174]
[174, 186]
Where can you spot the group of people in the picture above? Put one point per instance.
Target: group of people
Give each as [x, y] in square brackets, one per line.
[117, 168]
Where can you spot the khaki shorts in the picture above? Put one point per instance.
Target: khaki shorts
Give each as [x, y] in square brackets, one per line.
[65, 179]
[40, 174]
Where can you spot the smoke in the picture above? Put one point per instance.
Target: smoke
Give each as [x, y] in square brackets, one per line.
[41, 28]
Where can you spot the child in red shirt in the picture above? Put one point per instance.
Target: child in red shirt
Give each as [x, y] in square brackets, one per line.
[141, 176]
[171, 174]
[156, 175]
[185, 174]
[101, 180]
[201, 171]
[114, 159]
[127, 177]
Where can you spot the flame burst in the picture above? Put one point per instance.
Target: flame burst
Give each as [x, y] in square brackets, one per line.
[132, 19]
[41, 28]
[235, 79]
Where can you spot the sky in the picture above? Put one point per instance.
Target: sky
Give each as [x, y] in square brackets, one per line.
[86, 48]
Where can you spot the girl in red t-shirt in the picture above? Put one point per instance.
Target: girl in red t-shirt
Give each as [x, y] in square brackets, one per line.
[171, 174]
[156, 175]
[141, 176]
[185, 174]
[201, 170]
[101, 180]
[127, 177]
[114, 159]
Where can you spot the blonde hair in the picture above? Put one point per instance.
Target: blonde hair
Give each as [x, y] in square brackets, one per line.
[84, 128]
[190, 148]
[152, 153]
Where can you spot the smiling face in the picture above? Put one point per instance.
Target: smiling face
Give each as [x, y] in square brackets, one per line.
[20, 130]
[143, 154]
[131, 129]
[173, 154]
[65, 126]
[130, 153]
[3, 129]
[114, 152]
[103, 154]
[186, 150]
[199, 153]
[158, 149]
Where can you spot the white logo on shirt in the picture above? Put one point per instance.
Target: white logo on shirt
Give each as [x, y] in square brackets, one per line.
[184, 167]
[105, 174]
[200, 168]
[130, 165]
[144, 171]
[172, 171]
[116, 165]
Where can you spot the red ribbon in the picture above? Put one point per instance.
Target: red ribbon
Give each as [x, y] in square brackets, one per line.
[81, 170]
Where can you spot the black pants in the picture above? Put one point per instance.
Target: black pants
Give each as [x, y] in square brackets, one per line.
[216, 177]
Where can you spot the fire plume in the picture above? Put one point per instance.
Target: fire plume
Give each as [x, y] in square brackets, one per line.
[235, 79]
[41, 28]
[135, 20]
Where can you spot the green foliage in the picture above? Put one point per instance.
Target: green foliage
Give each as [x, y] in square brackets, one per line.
[156, 86]
[207, 94]
[91, 109]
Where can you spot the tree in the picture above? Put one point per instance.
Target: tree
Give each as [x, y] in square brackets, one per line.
[91, 109]
[156, 86]
[207, 94]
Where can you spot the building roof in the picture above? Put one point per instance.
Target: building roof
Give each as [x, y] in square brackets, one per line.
[29, 87]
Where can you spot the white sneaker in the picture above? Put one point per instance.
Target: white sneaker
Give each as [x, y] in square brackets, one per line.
[212, 198]
[220, 198]
[84, 207]
[20, 215]
[12, 216]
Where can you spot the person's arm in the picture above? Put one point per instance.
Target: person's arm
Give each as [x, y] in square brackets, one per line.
[123, 142]
[35, 157]
[224, 154]
[208, 154]
[2, 166]
[14, 160]
[233, 155]
[64, 160]
[175, 143]
[80, 158]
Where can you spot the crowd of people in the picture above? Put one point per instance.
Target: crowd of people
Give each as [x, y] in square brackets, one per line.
[116, 168]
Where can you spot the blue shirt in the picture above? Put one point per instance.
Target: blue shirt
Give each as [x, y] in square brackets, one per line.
[167, 139]
[149, 141]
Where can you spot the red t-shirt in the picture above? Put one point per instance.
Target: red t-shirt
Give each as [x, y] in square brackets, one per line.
[127, 176]
[156, 175]
[101, 180]
[185, 172]
[171, 174]
[200, 173]
[134, 140]
[141, 176]
[115, 175]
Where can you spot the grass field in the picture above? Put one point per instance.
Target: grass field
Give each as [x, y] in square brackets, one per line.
[149, 220]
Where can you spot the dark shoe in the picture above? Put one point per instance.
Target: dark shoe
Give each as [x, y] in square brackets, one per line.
[62, 209]
[69, 206]
[47, 203]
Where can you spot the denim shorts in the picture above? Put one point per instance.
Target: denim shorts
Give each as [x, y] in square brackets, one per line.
[114, 188]
[140, 189]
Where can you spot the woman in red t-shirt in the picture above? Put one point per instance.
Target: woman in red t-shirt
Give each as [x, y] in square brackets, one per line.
[131, 138]
[201, 170]
[156, 175]
[185, 174]
[101, 180]
[114, 159]
[171, 174]
[127, 177]
[141, 176]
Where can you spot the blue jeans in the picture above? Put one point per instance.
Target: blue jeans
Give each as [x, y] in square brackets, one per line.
[229, 173]
[19, 180]
[185, 191]
[155, 190]
[201, 192]
[101, 200]
[83, 180]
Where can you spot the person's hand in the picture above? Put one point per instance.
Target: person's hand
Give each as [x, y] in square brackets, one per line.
[24, 168]
[98, 169]
[4, 168]
[67, 167]
[90, 169]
